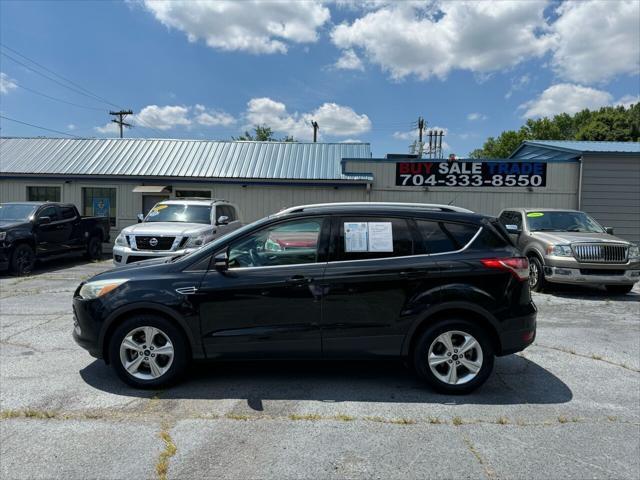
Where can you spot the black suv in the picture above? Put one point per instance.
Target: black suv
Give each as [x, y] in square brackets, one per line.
[438, 285]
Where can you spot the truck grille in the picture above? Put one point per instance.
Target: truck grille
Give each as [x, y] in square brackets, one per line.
[154, 243]
[600, 252]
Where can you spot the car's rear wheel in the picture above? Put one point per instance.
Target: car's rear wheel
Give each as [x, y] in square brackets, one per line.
[619, 289]
[23, 259]
[454, 356]
[537, 282]
[94, 248]
[148, 351]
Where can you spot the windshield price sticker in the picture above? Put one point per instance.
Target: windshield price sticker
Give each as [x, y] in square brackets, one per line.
[471, 174]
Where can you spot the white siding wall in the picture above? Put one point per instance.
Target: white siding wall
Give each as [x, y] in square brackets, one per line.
[561, 190]
[611, 193]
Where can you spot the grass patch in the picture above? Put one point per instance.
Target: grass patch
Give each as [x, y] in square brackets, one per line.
[502, 421]
[612, 418]
[344, 418]
[237, 416]
[596, 357]
[457, 421]
[562, 419]
[170, 449]
[435, 421]
[402, 421]
[306, 416]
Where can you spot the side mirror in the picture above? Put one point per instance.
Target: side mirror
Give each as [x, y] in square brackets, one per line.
[140, 218]
[43, 220]
[222, 220]
[221, 262]
[513, 229]
[609, 230]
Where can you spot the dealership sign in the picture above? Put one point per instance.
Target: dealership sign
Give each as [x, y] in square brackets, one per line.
[471, 174]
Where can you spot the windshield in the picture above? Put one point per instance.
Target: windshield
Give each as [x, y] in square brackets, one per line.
[16, 211]
[169, 212]
[552, 221]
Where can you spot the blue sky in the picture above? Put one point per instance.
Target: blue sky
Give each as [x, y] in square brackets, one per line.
[364, 71]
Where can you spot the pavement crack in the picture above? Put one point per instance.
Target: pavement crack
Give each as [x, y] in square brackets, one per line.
[20, 345]
[597, 358]
[489, 472]
[31, 328]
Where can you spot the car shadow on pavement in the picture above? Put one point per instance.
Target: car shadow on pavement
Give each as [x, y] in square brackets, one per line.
[590, 293]
[515, 380]
[56, 265]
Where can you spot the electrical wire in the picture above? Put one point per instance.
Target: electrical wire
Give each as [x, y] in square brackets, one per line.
[38, 126]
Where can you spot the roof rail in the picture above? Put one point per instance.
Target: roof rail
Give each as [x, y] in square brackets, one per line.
[199, 198]
[419, 206]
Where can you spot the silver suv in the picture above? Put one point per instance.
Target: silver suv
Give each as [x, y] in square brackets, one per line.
[568, 246]
[173, 228]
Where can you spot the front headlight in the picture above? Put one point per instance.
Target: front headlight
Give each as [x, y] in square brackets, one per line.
[3, 235]
[91, 290]
[634, 252]
[198, 240]
[121, 240]
[560, 251]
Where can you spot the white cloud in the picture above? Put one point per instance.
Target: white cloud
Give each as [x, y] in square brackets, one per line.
[6, 83]
[108, 129]
[411, 135]
[333, 119]
[71, 126]
[565, 98]
[518, 84]
[628, 100]
[597, 40]
[213, 118]
[162, 118]
[351, 140]
[433, 38]
[253, 26]
[414, 134]
[474, 116]
[349, 61]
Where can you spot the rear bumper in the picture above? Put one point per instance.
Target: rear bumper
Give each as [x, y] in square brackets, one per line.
[592, 276]
[519, 338]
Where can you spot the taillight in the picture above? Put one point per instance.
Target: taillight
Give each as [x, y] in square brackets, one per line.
[517, 266]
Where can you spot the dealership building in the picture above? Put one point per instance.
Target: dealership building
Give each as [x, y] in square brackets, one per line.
[127, 176]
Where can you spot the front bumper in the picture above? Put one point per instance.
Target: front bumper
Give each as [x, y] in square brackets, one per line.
[126, 255]
[86, 329]
[570, 271]
[4, 257]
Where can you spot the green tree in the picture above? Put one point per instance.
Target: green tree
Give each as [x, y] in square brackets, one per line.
[618, 124]
[263, 133]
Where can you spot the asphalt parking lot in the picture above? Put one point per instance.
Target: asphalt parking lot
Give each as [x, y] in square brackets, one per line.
[568, 407]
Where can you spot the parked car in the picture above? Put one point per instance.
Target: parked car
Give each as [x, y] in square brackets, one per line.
[173, 228]
[31, 231]
[444, 289]
[568, 246]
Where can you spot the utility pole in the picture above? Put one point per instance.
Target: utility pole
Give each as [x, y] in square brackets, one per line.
[420, 128]
[120, 121]
[316, 127]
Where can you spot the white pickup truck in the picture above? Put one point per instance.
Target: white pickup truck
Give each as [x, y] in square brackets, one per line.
[173, 228]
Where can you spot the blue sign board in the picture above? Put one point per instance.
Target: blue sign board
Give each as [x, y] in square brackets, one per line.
[101, 207]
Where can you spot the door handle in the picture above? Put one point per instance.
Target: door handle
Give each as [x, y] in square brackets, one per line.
[299, 280]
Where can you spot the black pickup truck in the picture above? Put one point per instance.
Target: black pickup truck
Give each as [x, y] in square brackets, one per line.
[36, 230]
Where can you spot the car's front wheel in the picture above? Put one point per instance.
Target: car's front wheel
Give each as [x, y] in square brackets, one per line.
[148, 351]
[94, 248]
[454, 356]
[537, 282]
[23, 259]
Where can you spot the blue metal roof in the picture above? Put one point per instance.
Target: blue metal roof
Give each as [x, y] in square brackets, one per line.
[568, 150]
[195, 159]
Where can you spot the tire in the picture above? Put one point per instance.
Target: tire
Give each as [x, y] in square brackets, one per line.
[619, 289]
[145, 375]
[94, 248]
[23, 259]
[429, 345]
[537, 282]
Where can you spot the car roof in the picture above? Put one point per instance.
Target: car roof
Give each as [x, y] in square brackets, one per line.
[450, 212]
[194, 201]
[528, 209]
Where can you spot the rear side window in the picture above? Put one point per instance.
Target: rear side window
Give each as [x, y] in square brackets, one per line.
[439, 237]
[67, 212]
[488, 240]
[363, 238]
[511, 218]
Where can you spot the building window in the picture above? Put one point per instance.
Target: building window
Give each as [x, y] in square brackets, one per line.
[193, 193]
[99, 202]
[43, 194]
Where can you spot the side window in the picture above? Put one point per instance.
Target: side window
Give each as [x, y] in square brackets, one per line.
[50, 212]
[232, 213]
[439, 237]
[223, 210]
[488, 240]
[67, 213]
[288, 243]
[511, 218]
[363, 238]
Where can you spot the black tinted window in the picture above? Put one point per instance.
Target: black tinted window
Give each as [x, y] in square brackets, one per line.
[438, 237]
[374, 237]
[488, 240]
[50, 212]
[511, 218]
[67, 212]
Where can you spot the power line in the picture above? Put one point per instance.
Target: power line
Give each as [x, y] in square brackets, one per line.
[58, 99]
[89, 92]
[38, 126]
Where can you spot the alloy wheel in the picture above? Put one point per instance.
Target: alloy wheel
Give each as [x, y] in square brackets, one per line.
[534, 274]
[455, 357]
[24, 260]
[146, 353]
